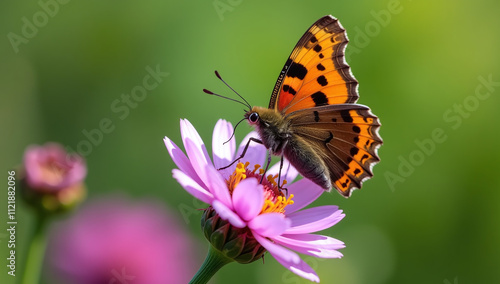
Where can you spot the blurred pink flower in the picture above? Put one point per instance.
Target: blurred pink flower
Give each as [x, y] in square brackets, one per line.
[259, 209]
[52, 180]
[118, 241]
[50, 168]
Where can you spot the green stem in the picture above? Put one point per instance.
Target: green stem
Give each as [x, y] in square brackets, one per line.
[215, 260]
[36, 252]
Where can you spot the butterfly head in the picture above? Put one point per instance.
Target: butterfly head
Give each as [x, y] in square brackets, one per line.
[260, 117]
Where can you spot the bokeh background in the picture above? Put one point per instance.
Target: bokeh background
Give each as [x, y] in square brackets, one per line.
[428, 216]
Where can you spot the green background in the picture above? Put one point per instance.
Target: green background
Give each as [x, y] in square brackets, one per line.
[426, 217]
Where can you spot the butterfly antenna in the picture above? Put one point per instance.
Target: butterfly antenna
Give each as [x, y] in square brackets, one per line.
[231, 99]
[220, 78]
[234, 130]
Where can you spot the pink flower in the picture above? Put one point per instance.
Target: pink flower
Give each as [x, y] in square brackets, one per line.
[49, 168]
[236, 194]
[52, 180]
[115, 240]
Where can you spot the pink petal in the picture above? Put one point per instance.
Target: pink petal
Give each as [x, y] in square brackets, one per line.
[180, 159]
[223, 154]
[248, 198]
[314, 219]
[302, 269]
[288, 172]
[256, 153]
[188, 130]
[311, 240]
[277, 250]
[218, 187]
[227, 214]
[317, 248]
[288, 259]
[305, 192]
[192, 186]
[195, 150]
[269, 224]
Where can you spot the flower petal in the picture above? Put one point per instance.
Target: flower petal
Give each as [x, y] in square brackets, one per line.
[314, 219]
[248, 198]
[269, 224]
[288, 172]
[180, 159]
[223, 153]
[256, 153]
[288, 259]
[305, 192]
[218, 187]
[192, 186]
[195, 149]
[227, 214]
[318, 246]
[311, 240]
[188, 131]
[302, 269]
[277, 250]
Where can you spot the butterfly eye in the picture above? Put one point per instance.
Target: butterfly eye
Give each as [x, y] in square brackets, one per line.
[253, 117]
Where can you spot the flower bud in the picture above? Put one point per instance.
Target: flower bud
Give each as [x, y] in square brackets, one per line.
[235, 243]
[51, 179]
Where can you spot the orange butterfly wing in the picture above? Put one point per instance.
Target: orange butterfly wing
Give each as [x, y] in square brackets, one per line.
[317, 92]
[316, 73]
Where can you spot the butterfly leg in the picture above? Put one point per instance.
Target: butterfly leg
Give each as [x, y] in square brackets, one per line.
[267, 167]
[243, 153]
[279, 177]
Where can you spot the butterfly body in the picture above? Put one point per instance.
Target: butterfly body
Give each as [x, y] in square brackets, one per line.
[313, 119]
[277, 135]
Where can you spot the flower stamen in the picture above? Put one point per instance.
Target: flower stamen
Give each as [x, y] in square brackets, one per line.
[275, 200]
[278, 206]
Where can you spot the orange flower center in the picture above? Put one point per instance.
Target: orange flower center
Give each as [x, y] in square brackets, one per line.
[275, 200]
[53, 172]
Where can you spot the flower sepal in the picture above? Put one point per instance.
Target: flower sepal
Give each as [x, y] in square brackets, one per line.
[53, 202]
[235, 243]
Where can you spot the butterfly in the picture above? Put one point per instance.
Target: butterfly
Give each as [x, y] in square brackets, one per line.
[313, 119]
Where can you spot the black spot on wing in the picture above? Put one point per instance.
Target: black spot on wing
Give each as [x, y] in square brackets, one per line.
[356, 129]
[313, 39]
[287, 88]
[321, 55]
[357, 171]
[346, 116]
[316, 116]
[322, 80]
[354, 151]
[320, 67]
[297, 70]
[329, 138]
[365, 156]
[317, 48]
[319, 98]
